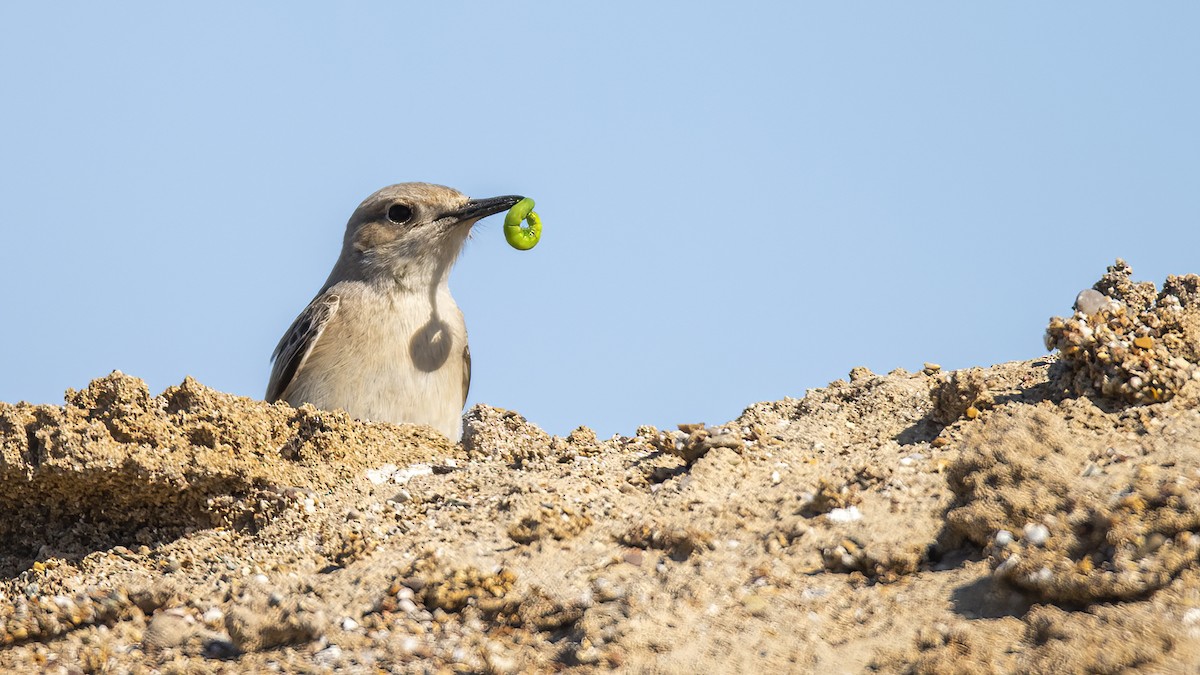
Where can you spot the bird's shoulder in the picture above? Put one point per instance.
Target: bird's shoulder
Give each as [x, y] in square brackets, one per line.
[298, 342]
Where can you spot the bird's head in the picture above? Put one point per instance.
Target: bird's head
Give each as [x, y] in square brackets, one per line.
[413, 232]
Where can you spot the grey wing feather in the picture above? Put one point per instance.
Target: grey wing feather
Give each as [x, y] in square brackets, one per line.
[297, 343]
[466, 372]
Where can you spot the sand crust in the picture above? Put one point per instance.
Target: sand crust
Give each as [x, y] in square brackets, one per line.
[1038, 516]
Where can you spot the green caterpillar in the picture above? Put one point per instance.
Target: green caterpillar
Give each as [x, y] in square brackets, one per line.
[518, 236]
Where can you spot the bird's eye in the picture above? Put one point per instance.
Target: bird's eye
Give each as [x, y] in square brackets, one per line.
[399, 213]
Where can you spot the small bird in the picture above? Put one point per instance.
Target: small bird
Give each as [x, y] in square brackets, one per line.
[384, 340]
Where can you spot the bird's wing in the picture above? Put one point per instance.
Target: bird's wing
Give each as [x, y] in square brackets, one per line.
[466, 372]
[298, 342]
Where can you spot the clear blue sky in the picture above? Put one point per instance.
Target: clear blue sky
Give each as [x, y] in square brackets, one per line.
[741, 201]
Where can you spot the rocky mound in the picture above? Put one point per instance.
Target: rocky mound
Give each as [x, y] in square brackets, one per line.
[1029, 517]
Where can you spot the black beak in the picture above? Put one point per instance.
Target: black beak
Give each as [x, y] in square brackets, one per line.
[475, 209]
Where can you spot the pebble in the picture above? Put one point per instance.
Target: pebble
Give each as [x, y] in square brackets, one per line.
[212, 616]
[1003, 538]
[1036, 534]
[1089, 301]
[390, 473]
[846, 515]
[606, 591]
[755, 604]
[328, 655]
[1154, 542]
[168, 628]
[349, 624]
[588, 655]
[1007, 564]
[220, 648]
[499, 663]
[381, 475]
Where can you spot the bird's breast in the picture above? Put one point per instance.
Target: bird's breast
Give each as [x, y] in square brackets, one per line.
[393, 358]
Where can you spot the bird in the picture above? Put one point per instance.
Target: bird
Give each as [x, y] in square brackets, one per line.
[384, 340]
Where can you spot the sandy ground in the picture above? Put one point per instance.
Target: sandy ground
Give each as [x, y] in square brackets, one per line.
[1030, 517]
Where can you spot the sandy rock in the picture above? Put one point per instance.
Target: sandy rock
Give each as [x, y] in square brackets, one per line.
[262, 623]
[493, 432]
[1143, 346]
[1121, 531]
[963, 393]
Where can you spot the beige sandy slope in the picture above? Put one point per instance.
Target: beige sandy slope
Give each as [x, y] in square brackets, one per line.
[1010, 519]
